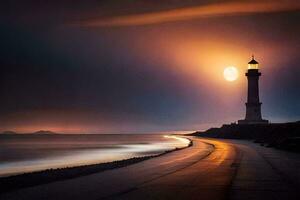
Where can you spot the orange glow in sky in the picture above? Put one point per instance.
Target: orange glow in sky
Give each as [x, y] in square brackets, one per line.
[135, 65]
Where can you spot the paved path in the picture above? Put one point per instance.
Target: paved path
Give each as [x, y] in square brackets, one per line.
[210, 169]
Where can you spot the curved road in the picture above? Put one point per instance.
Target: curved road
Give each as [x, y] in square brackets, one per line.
[210, 169]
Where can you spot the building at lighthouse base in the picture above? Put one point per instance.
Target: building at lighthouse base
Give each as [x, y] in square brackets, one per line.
[245, 121]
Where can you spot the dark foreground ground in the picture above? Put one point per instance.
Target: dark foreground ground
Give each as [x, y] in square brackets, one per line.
[211, 169]
[281, 135]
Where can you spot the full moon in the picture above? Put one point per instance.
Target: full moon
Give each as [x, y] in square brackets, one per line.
[230, 73]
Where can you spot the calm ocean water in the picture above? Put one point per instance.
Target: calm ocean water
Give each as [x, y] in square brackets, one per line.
[27, 153]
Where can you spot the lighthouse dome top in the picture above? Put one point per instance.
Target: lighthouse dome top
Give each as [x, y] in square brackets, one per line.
[253, 64]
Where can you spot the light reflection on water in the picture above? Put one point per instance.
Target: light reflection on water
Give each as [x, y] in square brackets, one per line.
[21, 154]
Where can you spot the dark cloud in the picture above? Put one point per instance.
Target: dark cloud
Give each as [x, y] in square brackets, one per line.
[194, 12]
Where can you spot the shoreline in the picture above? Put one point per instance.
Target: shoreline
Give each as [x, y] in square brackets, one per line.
[283, 136]
[15, 182]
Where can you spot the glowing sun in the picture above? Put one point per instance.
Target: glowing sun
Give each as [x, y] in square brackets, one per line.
[230, 73]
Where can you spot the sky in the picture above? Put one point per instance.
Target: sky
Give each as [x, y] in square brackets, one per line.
[138, 66]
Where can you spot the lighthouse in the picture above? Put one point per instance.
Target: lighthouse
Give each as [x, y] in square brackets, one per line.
[253, 104]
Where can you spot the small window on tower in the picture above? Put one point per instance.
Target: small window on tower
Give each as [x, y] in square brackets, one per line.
[252, 66]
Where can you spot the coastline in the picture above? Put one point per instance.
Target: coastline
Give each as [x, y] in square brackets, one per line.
[285, 136]
[24, 180]
[222, 172]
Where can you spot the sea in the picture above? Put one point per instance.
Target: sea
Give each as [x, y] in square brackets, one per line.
[23, 153]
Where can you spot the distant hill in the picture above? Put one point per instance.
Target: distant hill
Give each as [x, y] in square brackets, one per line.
[41, 132]
[8, 133]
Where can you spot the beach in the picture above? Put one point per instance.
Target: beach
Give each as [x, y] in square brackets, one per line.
[210, 169]
[28, 153]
